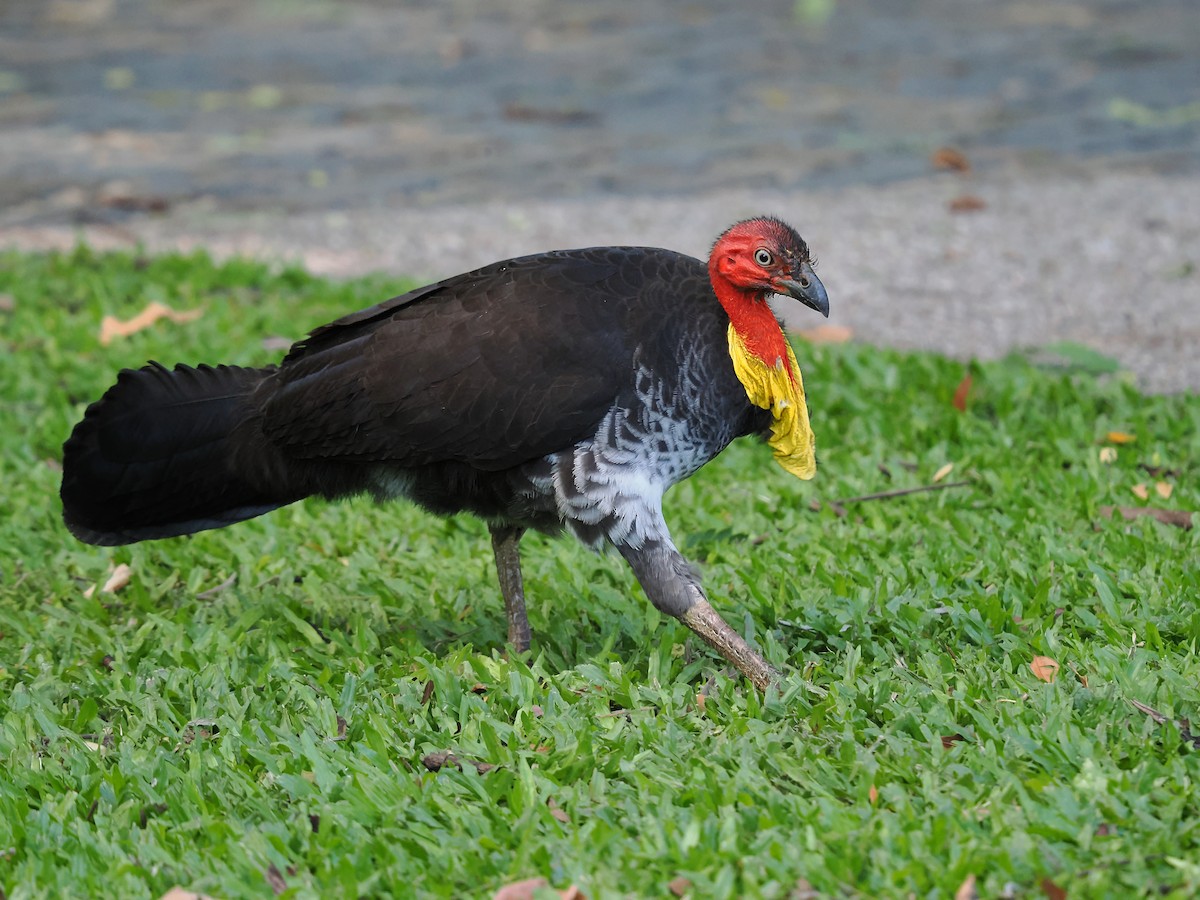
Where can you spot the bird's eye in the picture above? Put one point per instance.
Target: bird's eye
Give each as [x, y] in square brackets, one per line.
[763, 257]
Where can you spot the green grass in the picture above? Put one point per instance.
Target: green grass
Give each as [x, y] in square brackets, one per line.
[270, 735]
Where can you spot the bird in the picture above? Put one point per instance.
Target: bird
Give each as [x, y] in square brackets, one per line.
[564, 391]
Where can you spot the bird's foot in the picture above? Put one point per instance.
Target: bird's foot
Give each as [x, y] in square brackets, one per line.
[703, 619]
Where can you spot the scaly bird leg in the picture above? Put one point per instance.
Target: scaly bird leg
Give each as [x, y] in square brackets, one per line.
[675, 589]
[506, 545]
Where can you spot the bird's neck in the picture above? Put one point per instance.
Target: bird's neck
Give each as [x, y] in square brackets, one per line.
[755, 323]
[765, 365]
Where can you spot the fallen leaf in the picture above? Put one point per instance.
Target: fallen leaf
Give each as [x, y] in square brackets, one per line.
[522, 112]
[1141, 491]
[679, 886]
[873, 795]
[826, 334]
[1163, 489]
[524, 890]
[520, 890]
[949, 740]
[966, 203]
[943, 472]
[1044, 668]
[1083, 679]
[178, 893]
[966, 890]
[118, 578]
[275, 879]
[1120, 437]
[428, 692]
[132, 202]
[112, 327]
[1052, 890]
[950, 158]
[701, 699]
[1180, 518]
[961, 393]
[559, 814]
[1108, 455]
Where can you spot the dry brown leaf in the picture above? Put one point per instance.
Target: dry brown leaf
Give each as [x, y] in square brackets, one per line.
[1052, 890]
[1044, 668]
[679, 886]
[1120, 437]
[520, 890]
[1108, 455]
[1180, 518]
[950, 158]
[966, 203]
[118, 578]
[966, 890]
[826, 334]
[275, 879]
[178, 893]
[873, 795]
[961, 393]
[1141, 491]
[943, 472]
[701, 700]
[949, 740]
[1163, 489]
[559, 814]
[112, 327]
[524, 890]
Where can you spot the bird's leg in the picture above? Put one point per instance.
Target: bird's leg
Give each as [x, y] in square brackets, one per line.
[675, 589]
[506, 545]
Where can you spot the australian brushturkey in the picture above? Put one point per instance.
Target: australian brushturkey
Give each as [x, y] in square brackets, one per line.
[564, 390]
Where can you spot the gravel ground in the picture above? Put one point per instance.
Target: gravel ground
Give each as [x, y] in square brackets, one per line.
[1102, 257]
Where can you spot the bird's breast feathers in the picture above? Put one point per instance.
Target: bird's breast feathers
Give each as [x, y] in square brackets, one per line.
[780, 389]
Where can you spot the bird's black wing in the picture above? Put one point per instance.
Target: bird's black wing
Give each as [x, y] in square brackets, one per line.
[492, 368]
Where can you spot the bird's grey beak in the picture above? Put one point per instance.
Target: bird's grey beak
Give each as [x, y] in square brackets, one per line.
[806, 288]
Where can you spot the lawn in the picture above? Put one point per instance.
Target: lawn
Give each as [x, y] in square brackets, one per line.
[259, 710]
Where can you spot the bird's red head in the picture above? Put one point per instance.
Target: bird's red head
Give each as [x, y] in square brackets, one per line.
[752, 260]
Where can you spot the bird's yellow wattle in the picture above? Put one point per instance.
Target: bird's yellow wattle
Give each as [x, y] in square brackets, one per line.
[774, 388]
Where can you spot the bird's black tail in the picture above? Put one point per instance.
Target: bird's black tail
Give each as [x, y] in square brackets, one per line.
[153, 457]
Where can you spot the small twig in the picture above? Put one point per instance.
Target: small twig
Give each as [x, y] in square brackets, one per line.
[1184, 726]
[901, 492]
[213, 591]
[838, 506]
